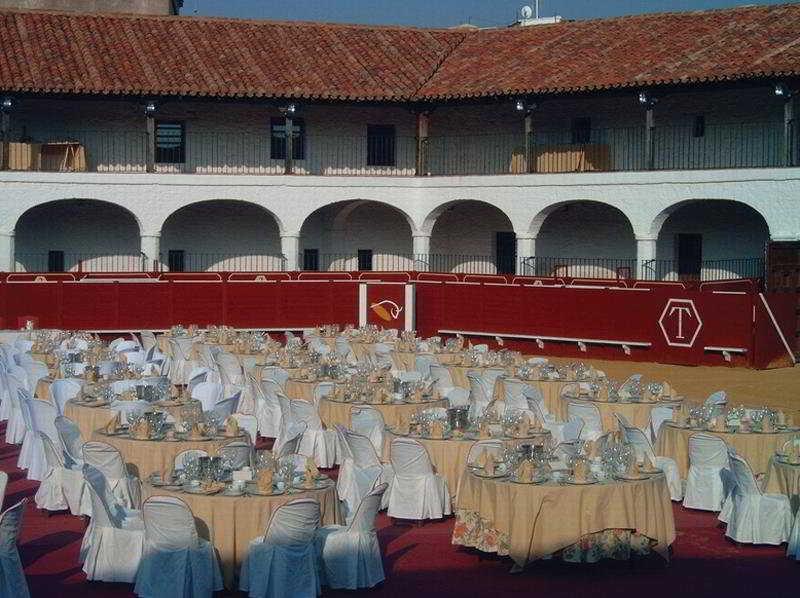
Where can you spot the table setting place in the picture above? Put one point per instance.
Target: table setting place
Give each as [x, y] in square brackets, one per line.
[191, 424]
[789, 454]
[375, 386]
[216, 475]
[587, 462]
[736, 420]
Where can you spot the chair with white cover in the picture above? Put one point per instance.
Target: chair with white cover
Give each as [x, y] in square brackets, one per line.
[62, 487]
[113, 542]
[276, 373]
[268, 409]
[708, 456]
[209, 394]
[71, 442]
[644, 450]
[182, 362]
[290, 445]
[176, 562]
[423, 363]
[108, 460]
[42, 418]
[227, 407]
[317, 442]
[757, 518]
[572, 430]
[35, 371]
[230, 370]
[3, 485]
[590, 414]
[15, 428]
[369, 421]
[514, 394]
[361, 468]
[793, 550]
[148, 340]
[197, 376]
[238, 453]
[659, 415]
[63, 390]
[12, 577]
[480, 395]
[417, 491]
[443, 382]
[284, 561]
[248, 424]
[351, 554]
[627, 388]
[322, 390]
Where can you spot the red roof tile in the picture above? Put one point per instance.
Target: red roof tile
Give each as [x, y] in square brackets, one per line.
[138, 55]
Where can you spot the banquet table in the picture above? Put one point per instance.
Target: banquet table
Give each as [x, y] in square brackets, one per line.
[394, 414]
[448, 456]
[406, 359]
[88, 419]
[637, 413]
[550, 389]
[149, 456]
[784, 478]
[297, 388]
[231, 522]
[534, 521]
[756, 448]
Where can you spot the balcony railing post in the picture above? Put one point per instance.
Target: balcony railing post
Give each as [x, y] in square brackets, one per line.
[423, 126]
[5, 131]
[649, 138]
[529, 158]
[150, 125]
[789, 136]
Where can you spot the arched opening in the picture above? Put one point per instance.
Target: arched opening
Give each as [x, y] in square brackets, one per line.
[73, 235]
[356, 235]
[709, 240]
[221, 235]
[585, 239]
[472, 236]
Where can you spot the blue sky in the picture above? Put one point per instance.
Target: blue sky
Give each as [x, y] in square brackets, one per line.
[440, 13]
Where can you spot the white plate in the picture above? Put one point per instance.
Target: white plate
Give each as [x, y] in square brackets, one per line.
[574, 482]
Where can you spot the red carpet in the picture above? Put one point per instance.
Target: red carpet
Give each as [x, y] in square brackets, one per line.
[420, 561]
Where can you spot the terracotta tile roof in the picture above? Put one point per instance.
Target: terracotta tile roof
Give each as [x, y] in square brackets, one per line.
[105, 54]
[48, 52]
[715, 45]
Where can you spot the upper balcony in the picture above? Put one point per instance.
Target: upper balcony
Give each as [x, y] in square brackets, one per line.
[723, 128]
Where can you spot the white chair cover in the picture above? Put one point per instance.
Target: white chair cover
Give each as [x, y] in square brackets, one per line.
[12, 578]
[15, 428]
[148, 340]
[108, 460]
[572, 430]
[268, 409]
[480, 394]
[283, 563]
[317, 442]
[3, 485]
[369, 422]
[659, 415]
[61, 488]
[757, 518]
[275, 373]
[351, 555]
[291, 441]
[226, 407]
[63, 390]
[182, 362]
[514, 394]
[590, 414]
[175, 562]
[209, 394]
[423, 363]
[716, 402]
[360, 470]
[71, 442]
[708, 456]
[113, 542]
[239, 453]
[248, 423]
[644, 450]
[35, 371]
[793, 551]
[230, 370]
[42, 419]
[417, 492]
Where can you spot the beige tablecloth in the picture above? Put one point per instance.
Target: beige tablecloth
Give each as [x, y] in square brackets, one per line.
[637, 414]
[406, 359]
[88, 419]
[550, 389]
[333, 412]
[301, 389]
[148, 456]
[783, 478]
[756, 448]
[531, 522]
[449, 358]
[230, 523]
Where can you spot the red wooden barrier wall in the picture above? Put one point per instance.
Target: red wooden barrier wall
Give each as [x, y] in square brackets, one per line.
[733, 315]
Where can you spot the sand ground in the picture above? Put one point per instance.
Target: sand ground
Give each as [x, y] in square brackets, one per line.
[778, 389]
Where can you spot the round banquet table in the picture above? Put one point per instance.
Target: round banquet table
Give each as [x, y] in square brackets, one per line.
[784, 478]
[149, 456]
[755, 447]
[534, 521]
[449, 358]
[550, 389]
[638, 414]
[294, 373]
[88, 419]
[394, 414]
[406, 359]
[302, 389]
[448, 456]
[231, 522]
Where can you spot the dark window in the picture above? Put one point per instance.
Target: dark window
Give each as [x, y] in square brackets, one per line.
[170, 142]
[506, 256]
[581, 130]
[55, 261]
[277, 148]
[380, 145]
[699, 127]
[365, 259]
[689, 253]
[311, 259]
[175, 260]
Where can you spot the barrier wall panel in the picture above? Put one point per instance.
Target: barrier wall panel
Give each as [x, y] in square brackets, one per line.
[144, 306]
[251, 304]
[92, 305]
[197, 303]
[41, 300]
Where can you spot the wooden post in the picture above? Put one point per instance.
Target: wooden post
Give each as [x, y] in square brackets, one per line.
[151, 142]
[649, 138]
[288, 163]
[5, 131]
[529, 161]
[789, 134]
[423, 126]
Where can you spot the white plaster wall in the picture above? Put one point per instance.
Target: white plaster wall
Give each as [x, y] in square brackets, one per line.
[97, 235]
[223, 235]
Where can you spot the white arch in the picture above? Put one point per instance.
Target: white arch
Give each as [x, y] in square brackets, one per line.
[660, 218]
[430, 220]
[233, 202]
[348, 206]
[538, 220]
[45, 205]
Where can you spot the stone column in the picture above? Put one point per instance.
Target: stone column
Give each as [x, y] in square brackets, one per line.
[422, 251]
[290, 247]
[526, 248]
[150, 246]
[7, 261]
[645, 255]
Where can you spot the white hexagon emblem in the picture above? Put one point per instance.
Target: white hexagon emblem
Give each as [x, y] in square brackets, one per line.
[680, 322]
